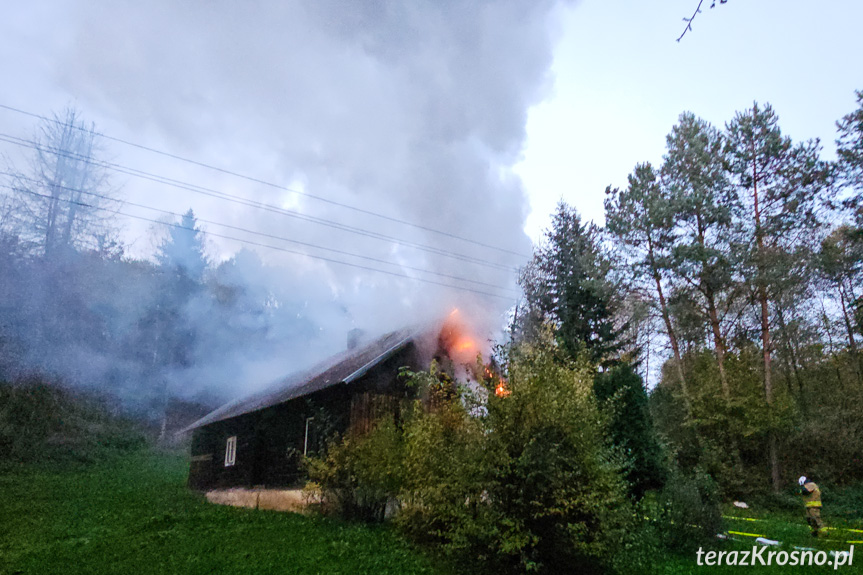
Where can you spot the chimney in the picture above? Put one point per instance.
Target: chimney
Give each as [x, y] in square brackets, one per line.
[354, 338]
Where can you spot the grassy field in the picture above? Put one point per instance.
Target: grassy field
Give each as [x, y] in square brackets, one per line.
[787, 527]
[133, 515]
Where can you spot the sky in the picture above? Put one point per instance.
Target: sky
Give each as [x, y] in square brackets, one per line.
[461, 119]
[621, 80]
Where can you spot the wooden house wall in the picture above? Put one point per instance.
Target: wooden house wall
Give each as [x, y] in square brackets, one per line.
[270, 441]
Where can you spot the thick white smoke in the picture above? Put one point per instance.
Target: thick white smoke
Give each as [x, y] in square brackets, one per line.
[415, 110]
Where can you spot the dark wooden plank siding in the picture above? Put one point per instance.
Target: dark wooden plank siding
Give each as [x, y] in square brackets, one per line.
[270, 441]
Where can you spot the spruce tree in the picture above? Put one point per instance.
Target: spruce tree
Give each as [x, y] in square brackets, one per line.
[566, 284]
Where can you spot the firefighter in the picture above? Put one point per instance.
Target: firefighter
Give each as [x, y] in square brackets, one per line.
[812, 500]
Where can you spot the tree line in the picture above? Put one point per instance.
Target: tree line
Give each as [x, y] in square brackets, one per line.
[739, 262]
[76, 308]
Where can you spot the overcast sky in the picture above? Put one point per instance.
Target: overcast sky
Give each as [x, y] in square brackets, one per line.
[469, 118]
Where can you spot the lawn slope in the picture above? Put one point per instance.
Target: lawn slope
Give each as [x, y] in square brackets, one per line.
[132, 515]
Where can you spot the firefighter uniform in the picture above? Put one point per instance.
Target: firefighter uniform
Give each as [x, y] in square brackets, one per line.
[812, 500]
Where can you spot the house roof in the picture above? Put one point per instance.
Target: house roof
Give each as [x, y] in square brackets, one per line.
[344, 367]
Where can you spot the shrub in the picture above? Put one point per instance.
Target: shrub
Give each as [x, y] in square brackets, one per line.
[526, 480]
[643, 550]
[689, 513]
[361, 473]
[449, 468]
[621, 391]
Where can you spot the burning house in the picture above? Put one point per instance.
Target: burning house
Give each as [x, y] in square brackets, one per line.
[258, 441]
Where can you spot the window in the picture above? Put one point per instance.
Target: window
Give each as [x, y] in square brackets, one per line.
[231, 451]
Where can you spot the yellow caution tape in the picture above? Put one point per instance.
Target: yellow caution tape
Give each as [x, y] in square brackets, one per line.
[794, 524]
[745, 534]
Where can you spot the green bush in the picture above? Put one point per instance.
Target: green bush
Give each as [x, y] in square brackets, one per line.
[524, 481]
[359, 475]
[643, 550]
[561, 483]
[689, 514]
[450, 464]
[621, 391]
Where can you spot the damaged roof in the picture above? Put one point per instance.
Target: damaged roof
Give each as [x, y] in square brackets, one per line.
[344, 367]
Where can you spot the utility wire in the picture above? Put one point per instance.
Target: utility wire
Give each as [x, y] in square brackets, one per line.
[252, 203]
[278, 248]
[245, 230]
[266, 183]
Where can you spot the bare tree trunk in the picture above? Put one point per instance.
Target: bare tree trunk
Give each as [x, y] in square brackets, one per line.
[76, 194]
[675, 347]
[718, 344]
[713, 316]
[669, 328]
[775, 473]
[61, 169]
[51, 219]
[765, 342]
[768, 383]
[719, 349]
[857, 305]
[852, 344]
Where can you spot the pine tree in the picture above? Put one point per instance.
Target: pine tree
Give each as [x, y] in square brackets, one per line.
[566, 284]
[702, 204]
[849, 148]
[779, 187]
[639, 219]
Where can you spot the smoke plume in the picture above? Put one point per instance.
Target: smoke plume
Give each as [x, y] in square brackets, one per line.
[412, 110]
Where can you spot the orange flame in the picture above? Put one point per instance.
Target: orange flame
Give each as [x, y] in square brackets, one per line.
[501, 390]
[458, 340]
[464, 344]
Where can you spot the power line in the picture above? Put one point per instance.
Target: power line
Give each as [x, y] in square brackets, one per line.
[258, 244]
[269, 184]
[241, 229]
[252, 203]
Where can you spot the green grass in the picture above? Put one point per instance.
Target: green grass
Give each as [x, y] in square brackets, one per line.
[133, 515]
[789, 528]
